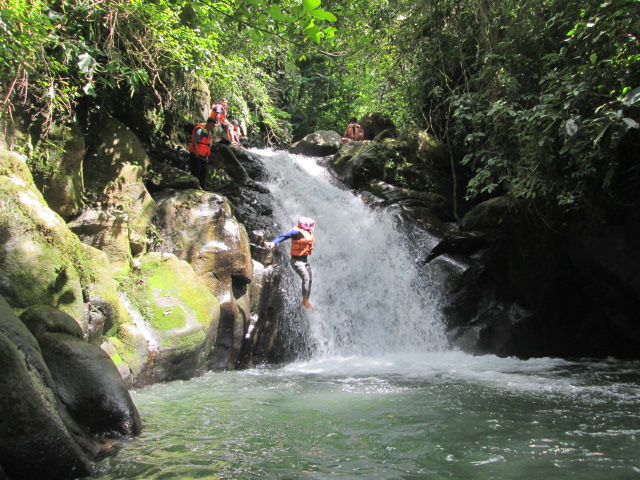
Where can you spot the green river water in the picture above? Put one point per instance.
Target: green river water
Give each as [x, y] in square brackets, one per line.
[434, 416]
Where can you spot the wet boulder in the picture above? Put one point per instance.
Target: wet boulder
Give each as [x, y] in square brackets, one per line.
[492, 218]
[357, 164]
[199, 228]
[61, 399]
[317, 144]
[86, 380]
[378, 125]
[161, 176]
[175, 315]
[34, 441]
[224, 172]
[408, 198]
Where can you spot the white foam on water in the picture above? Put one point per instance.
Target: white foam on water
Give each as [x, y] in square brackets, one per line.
[370, 295]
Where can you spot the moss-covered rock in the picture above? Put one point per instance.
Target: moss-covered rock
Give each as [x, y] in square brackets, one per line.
[108, 232]
[176, 315]
[102, 296]
[41, 261]
[359, 163]
[115, 167]
[198, 227]
[56, 164]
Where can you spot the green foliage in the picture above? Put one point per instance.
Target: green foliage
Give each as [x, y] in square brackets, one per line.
[54, 54]
[534, 97]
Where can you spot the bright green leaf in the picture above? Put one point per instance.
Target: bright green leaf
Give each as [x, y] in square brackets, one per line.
[310, 5]
[324, 15]
[276, 13]
[329, 32]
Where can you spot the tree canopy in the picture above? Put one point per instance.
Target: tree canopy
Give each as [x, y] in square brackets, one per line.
[536, 100]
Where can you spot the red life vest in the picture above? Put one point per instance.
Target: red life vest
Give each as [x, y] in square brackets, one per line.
[219, 116]
[201, 147]
[302, 246]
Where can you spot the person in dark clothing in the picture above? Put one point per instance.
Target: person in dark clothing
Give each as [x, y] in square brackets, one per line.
[302, 242]
[200, 150]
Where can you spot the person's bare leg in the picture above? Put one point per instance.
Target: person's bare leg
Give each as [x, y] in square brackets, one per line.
[306, 303]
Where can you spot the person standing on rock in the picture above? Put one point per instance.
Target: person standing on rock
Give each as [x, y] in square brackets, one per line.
[302, 242]
[200, 149]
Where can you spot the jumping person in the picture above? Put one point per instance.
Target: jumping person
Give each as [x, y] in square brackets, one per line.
[200, 149]
[302, 241]
[354, 132]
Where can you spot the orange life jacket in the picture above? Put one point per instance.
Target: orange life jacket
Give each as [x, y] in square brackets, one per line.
[219, 116]
[302, 246]
[201, 147]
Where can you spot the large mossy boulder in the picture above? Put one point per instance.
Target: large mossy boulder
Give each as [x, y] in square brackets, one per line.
[115, 168]
[492, 218]
[175, 313]
[199, 227]
[107, 231]
[378, 125]
[359, 163]
[41, 261]
[317, 144]
[57, 167]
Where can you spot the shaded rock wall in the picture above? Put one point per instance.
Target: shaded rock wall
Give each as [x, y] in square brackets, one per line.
[62, 398]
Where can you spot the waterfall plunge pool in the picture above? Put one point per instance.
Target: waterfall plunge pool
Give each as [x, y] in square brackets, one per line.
[403, 416]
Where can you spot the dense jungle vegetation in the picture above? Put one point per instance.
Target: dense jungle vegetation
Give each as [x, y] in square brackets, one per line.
[538, 100]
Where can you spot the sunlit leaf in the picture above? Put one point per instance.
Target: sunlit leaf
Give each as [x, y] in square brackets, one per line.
[89, 90]
[632, 97]
[323, 15]
[310, 5]
[276, 13]
[86, 63]
[329, 32]
[571, 127]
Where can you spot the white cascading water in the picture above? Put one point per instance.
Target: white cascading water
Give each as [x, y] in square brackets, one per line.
[369, 295]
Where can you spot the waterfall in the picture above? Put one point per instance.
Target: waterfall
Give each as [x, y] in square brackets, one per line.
[370, 296]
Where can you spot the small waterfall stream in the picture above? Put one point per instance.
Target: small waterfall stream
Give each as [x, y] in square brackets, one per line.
[369, 294]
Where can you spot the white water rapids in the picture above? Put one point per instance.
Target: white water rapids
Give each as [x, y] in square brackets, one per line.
[369, 295]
